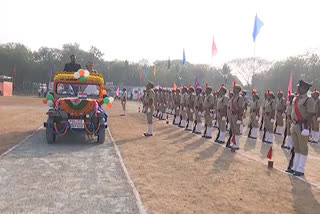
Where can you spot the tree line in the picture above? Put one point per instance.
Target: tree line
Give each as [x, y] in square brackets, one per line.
[33, 67]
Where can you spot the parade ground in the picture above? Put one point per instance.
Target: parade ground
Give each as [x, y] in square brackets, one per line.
[174, 171]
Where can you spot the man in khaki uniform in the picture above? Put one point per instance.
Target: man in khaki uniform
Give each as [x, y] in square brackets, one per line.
[215, 102]
[254, 115]
[269, 115]
[124, 101]
[208, 112]
[164, 104]
[190, 108]
[198, 106]
[222, 108]
[303, 110]
[280, 108]
[237, 105]
[229, 110]
[263, 107]
[149, 104]
[289, 144]
[177, 100]
[183, 108]
[143, 107]
[315, 118]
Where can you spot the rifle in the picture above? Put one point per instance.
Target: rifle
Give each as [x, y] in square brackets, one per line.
[229, 139]
[194, 127]
[264, 134]
[216, 140]
[205, 131]
[284, 137]
[291, 159]
[261, 126]
[174, 119]
[275, 128]
[250, 126]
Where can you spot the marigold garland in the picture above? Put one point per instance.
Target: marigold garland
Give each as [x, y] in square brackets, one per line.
[86, 107]
[68, 76]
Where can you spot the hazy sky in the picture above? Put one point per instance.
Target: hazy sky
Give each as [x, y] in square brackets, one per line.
[135, 29]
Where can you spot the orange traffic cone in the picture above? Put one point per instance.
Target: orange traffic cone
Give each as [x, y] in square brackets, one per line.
[167, 119]
[269, 156]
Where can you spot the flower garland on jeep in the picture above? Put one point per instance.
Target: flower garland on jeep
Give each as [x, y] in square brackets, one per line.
[69, 76]
[82, 108]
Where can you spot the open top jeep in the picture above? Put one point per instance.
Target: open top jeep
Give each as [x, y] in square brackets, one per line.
[76, 107]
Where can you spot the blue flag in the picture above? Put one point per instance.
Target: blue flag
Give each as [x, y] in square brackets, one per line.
[256, 28]
[183, 58]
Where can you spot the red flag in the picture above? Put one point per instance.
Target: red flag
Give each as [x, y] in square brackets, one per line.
[14, 71]
[174, 86]
[269, 155]
[140, 75]
[214, 48]
[289, 90]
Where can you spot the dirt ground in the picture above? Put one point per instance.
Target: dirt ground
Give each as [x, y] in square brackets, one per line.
[19, 117]
[178, 172]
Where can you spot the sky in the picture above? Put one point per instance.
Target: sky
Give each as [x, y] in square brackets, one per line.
[156, 30]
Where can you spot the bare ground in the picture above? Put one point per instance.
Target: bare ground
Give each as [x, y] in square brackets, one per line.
[178, 172]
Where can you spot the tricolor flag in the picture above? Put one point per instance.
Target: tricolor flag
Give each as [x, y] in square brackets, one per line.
[256, 28]
[214, 48]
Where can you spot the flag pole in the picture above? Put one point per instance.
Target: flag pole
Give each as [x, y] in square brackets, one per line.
[254, 63]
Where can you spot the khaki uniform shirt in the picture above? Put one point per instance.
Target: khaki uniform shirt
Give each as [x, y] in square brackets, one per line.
[270, 106]
[255, 107]
[281, 105]
[237, 102]
[222, 104]
[305, 105]
[191, 99]
[208, 101]
[149, 98]
[124, 97]
[198, 101]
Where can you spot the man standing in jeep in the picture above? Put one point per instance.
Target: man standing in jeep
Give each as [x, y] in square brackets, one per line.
[72, 66]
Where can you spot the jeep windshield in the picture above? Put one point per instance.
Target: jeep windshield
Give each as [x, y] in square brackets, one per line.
[77, 90]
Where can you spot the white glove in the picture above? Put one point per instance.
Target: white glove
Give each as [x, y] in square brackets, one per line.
[318, 119]
[257, 117]
[199, 113]
[305, 132]
[191, 110]
[184, 108]
[178, 108]
[238, 122]
[283, 114]
[149, 110]
[211, 114]
[272, 120]
[223, 118]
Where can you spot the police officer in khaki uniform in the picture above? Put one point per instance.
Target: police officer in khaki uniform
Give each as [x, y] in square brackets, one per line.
[124, 101]
[269, 115]
[229, 110]
[190, 108]
[177, 99]
[183, 107]
[280, 113]
[198, 106]
[222, 108]
[149, 105]
[237, 108]
[254, 115]
[208, 112]
[289, 144]
[315, 118]
[303, 110]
